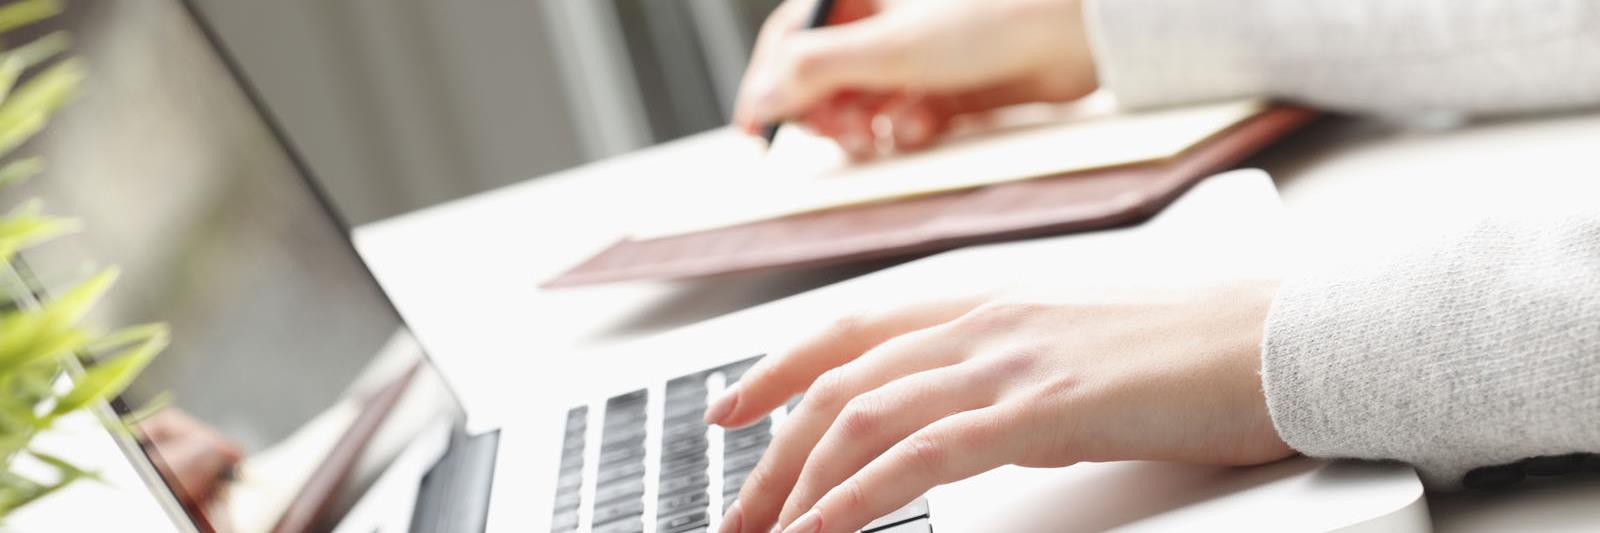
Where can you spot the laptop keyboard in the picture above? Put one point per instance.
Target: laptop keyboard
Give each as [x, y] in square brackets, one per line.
[679, 476]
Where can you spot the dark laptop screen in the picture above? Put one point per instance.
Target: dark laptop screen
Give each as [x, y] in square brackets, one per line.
[179, 181]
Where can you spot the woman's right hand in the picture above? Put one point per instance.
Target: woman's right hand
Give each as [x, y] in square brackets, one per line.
[918, 63]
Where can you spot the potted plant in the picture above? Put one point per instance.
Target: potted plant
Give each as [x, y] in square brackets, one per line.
[51, 365]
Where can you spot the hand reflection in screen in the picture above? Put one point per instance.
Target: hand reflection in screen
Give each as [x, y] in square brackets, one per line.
[195, 454]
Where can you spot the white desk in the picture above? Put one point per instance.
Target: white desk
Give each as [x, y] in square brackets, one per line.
[465, 273]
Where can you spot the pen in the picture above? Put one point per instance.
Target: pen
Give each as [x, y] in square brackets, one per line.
[819, 18]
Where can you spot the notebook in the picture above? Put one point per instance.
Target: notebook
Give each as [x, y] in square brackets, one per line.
[964, 201]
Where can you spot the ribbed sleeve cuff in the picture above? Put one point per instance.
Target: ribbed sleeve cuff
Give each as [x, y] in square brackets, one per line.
[1153, 53]
[1478, 348]
[1335, 385]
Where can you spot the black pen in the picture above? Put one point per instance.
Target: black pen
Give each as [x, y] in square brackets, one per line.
[819, 18]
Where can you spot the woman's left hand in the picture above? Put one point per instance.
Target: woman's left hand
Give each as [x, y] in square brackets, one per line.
[901, 401]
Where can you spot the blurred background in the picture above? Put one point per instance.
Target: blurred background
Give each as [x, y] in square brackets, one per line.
[394, 105]
[400, 104]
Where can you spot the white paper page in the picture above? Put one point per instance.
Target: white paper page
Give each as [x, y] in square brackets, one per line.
[805, 172]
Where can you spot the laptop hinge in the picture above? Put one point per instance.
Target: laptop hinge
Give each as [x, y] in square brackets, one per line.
[454, 495]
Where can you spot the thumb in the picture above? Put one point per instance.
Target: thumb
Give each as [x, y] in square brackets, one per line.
[810, 66]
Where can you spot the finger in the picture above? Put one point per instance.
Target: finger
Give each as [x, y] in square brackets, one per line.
[952, 449]
[812, 65]
[787, 18]
[855, 132]
[987, 99]
[769, 484]
[777, 378]
[873, 422]
[848, 119]
[913, 122]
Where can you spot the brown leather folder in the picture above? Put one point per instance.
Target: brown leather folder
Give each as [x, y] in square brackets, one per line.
[1072, 202]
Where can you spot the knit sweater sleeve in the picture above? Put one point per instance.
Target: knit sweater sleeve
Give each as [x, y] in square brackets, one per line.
[1477, 349]
[1366, 56]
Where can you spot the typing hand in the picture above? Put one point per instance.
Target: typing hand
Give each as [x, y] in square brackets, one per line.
[918, 63]
[900, 401]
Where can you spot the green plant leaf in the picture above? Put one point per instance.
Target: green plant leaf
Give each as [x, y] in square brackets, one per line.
[30, 490]
[24, 12]
[27, 226]
[123, 337]
[28, 108]
[31, 336]
[108, 378]
[16, 490]
[160, 402]
[66, 468]
[20, 170]
[18, 60]
[64, 311]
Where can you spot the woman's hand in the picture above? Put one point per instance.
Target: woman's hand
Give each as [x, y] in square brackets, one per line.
[918, 63]
[899, 402]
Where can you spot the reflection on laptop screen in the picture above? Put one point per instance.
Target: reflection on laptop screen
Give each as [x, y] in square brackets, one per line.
[279, 333]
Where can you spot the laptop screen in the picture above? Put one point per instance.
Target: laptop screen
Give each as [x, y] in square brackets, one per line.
[280, 336]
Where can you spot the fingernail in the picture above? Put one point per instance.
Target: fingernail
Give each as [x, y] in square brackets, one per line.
[763, 96]
[856, 142]
[912, 128]
[811, 522]
[732, 520]
[724, 405]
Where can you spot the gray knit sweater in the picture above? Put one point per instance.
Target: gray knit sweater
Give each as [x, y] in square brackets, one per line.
[1479, 348]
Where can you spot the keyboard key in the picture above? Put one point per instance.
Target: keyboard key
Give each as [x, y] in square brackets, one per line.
[620, 456]
[687, 418]
[564, 520]
[690, 482]
[572, 462]
[635, 397]
[678, 447]
[567, 500]
[746, 442]
[673, 504]
[689, 520]
[735, 370]
[677, 412]
[622, 435]
[570, 479]
[684, 466]
[671, 432]
[618, 510]
[734, 480]
[687, 381]
[626, 470]
[569, 482]
[629, 525]
[630, 488]
[743, 461]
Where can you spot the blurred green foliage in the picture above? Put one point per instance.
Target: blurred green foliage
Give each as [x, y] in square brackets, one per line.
[40, 343]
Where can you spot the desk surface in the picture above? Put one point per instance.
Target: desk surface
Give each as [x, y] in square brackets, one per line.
[465, 273]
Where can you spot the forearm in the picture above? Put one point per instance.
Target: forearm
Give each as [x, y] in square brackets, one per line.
[1370, 56]
[1476, 350]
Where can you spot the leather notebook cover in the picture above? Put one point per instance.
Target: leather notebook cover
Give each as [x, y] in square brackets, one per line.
[1072, 202]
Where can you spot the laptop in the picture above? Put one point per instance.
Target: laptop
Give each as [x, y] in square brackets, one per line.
[287, 353]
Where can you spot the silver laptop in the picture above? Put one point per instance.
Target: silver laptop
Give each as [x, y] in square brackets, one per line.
[286, 348]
